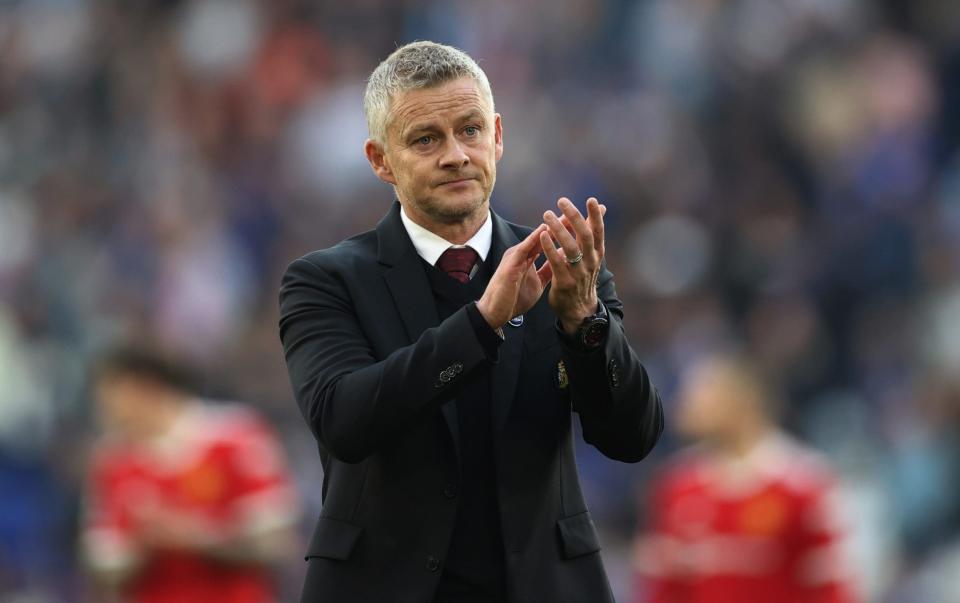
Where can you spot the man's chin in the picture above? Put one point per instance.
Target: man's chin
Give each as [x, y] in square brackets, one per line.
[453, 211]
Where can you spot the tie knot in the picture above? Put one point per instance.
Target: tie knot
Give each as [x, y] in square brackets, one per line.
[458, 262]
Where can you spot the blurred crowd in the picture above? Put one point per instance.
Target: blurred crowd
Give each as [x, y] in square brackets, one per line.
[780, 174]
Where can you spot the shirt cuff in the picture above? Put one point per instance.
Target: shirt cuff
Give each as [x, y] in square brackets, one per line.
[489, 339]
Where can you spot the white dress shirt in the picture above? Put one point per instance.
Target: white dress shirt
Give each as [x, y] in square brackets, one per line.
[430, 246]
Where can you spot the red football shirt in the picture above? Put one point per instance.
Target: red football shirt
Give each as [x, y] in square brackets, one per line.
[764, 529]
[219, 470]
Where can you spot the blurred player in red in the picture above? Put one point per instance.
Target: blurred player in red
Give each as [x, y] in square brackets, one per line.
[188, 502]
[747, 514]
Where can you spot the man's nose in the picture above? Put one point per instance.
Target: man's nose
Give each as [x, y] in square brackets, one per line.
[454, 155]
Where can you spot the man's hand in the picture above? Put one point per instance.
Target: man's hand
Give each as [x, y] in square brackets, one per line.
[575, 266]
[516, 286]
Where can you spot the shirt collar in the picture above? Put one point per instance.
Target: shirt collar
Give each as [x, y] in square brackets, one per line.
[430, 246]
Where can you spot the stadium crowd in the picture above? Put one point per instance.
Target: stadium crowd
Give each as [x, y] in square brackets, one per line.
[784, 174]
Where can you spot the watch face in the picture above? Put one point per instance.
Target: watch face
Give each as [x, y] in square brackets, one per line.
[594, 333]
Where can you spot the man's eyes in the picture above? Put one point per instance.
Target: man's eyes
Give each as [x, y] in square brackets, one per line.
[428, 139]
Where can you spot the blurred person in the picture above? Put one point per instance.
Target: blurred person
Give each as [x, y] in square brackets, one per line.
[189, 502]
[747, 513]
[439, 380]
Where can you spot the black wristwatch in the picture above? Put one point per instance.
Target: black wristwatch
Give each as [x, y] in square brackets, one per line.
[592, 332]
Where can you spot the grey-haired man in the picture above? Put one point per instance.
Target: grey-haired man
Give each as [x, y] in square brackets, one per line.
[438, 378]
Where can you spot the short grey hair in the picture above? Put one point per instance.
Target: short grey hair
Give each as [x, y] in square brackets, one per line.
[413, 66]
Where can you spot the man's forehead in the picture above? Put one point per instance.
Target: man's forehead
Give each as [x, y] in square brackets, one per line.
[451, 100]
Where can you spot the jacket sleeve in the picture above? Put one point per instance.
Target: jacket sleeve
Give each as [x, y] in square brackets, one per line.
[351, 401]
[619, 408]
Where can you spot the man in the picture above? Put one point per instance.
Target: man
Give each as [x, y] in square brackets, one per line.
[439, 381]
[748, 516]
[188, 503]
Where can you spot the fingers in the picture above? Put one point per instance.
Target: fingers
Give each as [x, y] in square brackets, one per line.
[526, 251]
[555, 258]
[562, 235]
[571, 231]
[573, 289]
[532, 240]
[532, 244]
[595, 213]
[566, 224]
[499, 300]
[575, 233]
[584, 234]
[603, 212]
[545, 273]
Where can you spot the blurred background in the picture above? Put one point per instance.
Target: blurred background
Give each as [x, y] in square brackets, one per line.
[782, 173]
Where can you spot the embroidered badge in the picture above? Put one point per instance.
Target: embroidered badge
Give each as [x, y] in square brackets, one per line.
[562, 379]
[516, 321]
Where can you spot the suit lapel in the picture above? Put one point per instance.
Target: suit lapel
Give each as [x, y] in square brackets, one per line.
[503, 381]
[411, 292]
[413, 298]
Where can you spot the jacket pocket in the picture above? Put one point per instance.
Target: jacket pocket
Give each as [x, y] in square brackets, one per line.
[333, 539]
[578, 535]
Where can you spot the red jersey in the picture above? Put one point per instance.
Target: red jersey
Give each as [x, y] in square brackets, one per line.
[221, 472]
[763, 529]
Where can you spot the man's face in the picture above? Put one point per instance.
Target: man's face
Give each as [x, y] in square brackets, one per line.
[126, 405]
[709, 403]
[441, 154]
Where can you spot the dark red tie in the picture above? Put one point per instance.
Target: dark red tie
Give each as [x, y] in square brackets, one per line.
[458, 262]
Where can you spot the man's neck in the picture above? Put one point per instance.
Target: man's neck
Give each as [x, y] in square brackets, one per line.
[739, 445]
[166, 415]
[457, 233]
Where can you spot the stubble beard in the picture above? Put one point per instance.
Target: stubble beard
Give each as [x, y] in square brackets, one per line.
[446, 213]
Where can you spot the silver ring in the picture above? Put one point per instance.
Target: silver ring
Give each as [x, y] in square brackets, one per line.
[576, 260]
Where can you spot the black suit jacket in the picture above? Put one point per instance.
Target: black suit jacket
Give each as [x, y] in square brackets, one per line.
[374, 371]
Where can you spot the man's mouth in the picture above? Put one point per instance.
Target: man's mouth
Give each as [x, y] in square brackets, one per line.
[456, 181]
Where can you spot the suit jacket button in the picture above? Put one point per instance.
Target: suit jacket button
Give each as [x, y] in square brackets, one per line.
[433, 564]
[450, 491]
[614, 370]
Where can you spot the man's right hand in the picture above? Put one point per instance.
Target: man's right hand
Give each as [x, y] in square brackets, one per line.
[516, 286]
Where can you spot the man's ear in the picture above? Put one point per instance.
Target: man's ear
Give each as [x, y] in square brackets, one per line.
[378, 161]
[498, 134]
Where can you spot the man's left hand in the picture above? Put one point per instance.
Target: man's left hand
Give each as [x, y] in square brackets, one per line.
[573, 268]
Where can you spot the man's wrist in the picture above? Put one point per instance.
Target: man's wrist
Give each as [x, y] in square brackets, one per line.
[486, 314]
[570, 327]
[571, 324]
[489, 337]
[590, 333]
